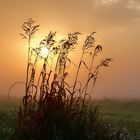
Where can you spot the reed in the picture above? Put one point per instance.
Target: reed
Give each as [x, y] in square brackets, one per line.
[52, 108]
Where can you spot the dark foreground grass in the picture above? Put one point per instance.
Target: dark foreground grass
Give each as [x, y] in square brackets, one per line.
[121, 115]
[82, 123]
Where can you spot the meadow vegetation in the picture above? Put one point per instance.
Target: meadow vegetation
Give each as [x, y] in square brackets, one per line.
[122, 113]
[114, 112]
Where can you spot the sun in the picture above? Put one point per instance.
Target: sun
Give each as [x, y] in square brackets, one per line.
[44, 52]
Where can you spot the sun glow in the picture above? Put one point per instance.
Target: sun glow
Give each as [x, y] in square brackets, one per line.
[44, 52]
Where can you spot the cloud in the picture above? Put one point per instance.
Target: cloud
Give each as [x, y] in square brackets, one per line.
[116, 13]
[106, 2]
[133, 4]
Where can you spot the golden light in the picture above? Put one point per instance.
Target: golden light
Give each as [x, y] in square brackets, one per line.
[44, 52]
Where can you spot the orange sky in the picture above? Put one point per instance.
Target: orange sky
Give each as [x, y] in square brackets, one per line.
[117, 23]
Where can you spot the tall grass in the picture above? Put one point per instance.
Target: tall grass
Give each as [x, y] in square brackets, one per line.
[52, 108]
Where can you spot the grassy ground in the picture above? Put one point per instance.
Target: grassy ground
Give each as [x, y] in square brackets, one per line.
[7, 117]
[121, 114]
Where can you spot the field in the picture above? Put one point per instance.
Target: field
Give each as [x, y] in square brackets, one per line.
[121, 114]
[8, 108]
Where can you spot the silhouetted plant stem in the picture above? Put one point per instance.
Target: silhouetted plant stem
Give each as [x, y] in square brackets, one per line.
[93, 76]
[29, 31]
[27, 72]
[77, 73]
[89, 73]
[43, 84]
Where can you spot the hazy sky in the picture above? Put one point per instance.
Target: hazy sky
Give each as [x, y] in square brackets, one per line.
[117, 23]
